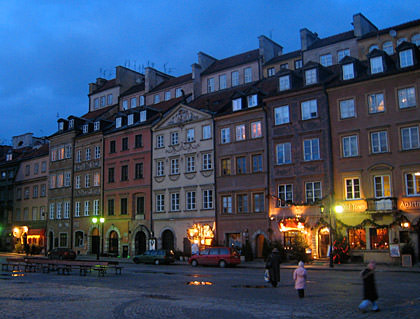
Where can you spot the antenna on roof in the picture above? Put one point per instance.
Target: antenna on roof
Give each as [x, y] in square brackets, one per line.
[58, 115]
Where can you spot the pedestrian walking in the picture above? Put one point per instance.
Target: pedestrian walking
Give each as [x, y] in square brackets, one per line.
[273, 266]
[299, 276]
[370, 295]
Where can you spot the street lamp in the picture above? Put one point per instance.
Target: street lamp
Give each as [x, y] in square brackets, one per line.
[338, 209]
[101, 244]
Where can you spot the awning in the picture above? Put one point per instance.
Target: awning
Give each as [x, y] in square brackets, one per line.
[40, 232]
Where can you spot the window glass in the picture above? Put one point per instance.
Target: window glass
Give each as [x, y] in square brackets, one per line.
[388, 47]
[347, 109]
[309, 109]
[348, 71]
[310, 76]
[379, 238]
[376, 103]
[283, 153]
[357, 238]
[406, 98]
[326, 59]
[406, 58]
[281, 115]
[350, 146]
[284, 82]
[376, 65]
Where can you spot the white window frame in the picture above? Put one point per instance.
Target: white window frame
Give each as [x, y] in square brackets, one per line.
[326, 59]
[210, 85]
[190, 164]
[412, 184]
[284, 82]
[58, 212]
[311, 76]
[143, 116]
[252, 100]
[285, 194]
[237, 104]
[350, 145]
[311, 149]
[159, 141]
[348, 71]
[191, 200]
[283, 153]
[309, 109]
[312, 187]
[66, 210]
[342, 53]
[95, 207]
[190, 135]
[174, 138]
[248, 75]
[206, 132]
[235, 78]
[352, 188]
[379, 188]
[407, 98]
[379, 142]
[174, 202]
[410, 138]
[86, 208]
[281, 115]
[225, 135]
[376, 65]
[174, 166]
[207, 161]
[130, 119]
[227, 204]
[97, 152]
[207, 199]
[77, 209]
[376, 103]
[160, 203]
[87, 154]
[347, 109]
[96, 126]
[52, 211]
[222, 82]
[160, 168]
[240, 132]
[406, 58]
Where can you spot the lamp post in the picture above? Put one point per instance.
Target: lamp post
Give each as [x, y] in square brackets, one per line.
[101, 222]
[337, 209]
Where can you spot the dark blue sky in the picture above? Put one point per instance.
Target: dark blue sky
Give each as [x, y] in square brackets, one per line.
[51, 50]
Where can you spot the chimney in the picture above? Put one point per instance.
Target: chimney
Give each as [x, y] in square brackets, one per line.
[362, 25]
[268, 49]
[307, 38]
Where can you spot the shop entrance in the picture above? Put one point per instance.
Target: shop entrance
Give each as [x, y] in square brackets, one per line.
[95, 241]
[324, 242]
[140, 243]
[113, 243]
[259, 244]
[168, 240]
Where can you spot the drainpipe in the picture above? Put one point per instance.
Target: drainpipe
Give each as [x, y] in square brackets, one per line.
[216, 219]
[72, 193]
[267, 160]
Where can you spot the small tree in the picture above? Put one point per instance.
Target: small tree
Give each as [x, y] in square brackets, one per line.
[341, 250]
[299, 246]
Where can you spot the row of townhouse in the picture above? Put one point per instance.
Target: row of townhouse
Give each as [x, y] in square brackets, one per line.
[258, 146]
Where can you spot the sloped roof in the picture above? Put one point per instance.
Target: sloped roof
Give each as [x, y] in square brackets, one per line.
[173, 82]
[134, 89]
[108, 84]
[396, 28]
[97, 113]
[284, 57]
[232, 61]
[332, 39]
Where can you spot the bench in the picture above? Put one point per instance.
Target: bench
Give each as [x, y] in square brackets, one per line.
[101, 269]
[14, 263]
[63, 269]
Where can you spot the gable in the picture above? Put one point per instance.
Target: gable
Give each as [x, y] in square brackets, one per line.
[181, 116]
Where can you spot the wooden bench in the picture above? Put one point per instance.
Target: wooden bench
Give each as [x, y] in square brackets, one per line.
[63, 269]
[14, 263]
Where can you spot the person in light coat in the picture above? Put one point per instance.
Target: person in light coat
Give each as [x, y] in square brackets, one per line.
[299, 276]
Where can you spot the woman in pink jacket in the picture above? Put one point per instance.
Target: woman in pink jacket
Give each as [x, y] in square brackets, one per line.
[299, 276]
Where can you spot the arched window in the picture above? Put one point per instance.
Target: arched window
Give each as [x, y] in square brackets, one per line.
[372, 47]
[388, 47]
[416, 39]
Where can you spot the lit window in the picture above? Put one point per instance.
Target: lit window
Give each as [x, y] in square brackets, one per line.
[406, 98]
[226, 167]
[382, 186]
[240, 132]
[376, 103]
[412, 184]
[256, 130]
[347, 109]
[310, 76]
[281, 115]
[406, 58]
[376, 65]
[352, 188]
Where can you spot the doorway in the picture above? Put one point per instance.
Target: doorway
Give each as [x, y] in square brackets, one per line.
[168, 240]
[324, 242]
[259, 244]
[50, 240]
[140, 243]
[113, 243]
[95, 241]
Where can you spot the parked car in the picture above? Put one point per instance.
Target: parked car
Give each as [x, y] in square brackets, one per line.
[62, 253]
[216, 256]
[160, 256]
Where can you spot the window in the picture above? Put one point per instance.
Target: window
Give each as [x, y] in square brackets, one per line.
[357, 238]
[87, 180]
[225, 135]
[284, 83]
[67, 179]
[139, 171]
[78, 239]
[156, 99]
[178, 92]
[226, 167]
[63, 239]
[252, 100]
[248, 75]
[124, 145]
[159, 141]
[210, 85]
[124, 173]
[242, 203]
[309, 109]
[222, 81]
[35, 191]
[59, 208]
[53, 179]
[382, 186]
[174, 202]
[310, 76]
[143, 115]
[68, 151]
[256, 130]
[27, 170]
[281, 115]
[111, 175]
[133, 102]
[174, 138]
[103, 100]
[284, 66]
[78, 182]
[160, 202]
[190, 135]
[352, 188]
[138, 141]
[26, 193]
[130, 120]
[283, 153]
[190, 200]
[118, 122]
[207, 199]
[97, 152]
[35, 212]
[97, 126]
[109, 99]
[376, 103]
[326, 59]
[342, 53]
[388, 47]
[298, 64]
[52, 207]
[66, 210]
[71, 123]
[237, 104]
[376, 65]
[373, 47]
[313, 191]
[190, 164]
[271, 71]
[416, 39]
[258, 200]
[96, 103]
[111, 211]
[167, 95]
[112, 146]
[140, 205]
[77, 209]
[379, 238]
[19, 193]
[207, 162]
[347, 109]
[206, 132]
[141, 100]
[241, 165]
[160, 168]
[235, 78]
[412, 184]
[240, 132]
[43, 167]
[125, 106]
[350, 146]
[379, 141]
[285, 194]
[257, 163]
[87, 158]
[174, 166]
[227, 204]
[410, 138]
[60, 180]
[311, 149]
[406, 98]
[43, 190]
[124, 205]
[348, 71]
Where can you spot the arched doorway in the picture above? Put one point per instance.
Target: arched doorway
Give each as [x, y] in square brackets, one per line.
[140, 243]
[113, 243]
[324, 241]
[50, 240]
[168, 240]
[95, 241]
[259, 244]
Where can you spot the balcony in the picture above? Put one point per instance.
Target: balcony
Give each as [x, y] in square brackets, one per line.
[381, 205]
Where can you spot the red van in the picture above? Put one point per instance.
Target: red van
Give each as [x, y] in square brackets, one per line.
[216, 256]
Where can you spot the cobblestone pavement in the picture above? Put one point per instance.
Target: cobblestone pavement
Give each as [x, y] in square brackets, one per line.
[148, 291]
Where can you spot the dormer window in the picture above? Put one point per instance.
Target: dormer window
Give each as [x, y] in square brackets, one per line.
[60, 126]
[85, 128]
[97, 126]
[130, 119]
[167, 95]
[284, 82]
[406, 58]
[376, 65]
[133, 102]
[252, 100]
[71, 123]
[348, 71]
[310, 76]
[142, 116]
[125, 104]
[118, 122]
[9, 156]
[237, 104]
[141, 100]
[156, 99]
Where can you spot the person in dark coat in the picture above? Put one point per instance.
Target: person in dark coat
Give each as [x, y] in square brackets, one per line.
[369, 286]
[273, 266]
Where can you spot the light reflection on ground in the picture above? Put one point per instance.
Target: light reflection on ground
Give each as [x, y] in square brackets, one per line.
[199, 283]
